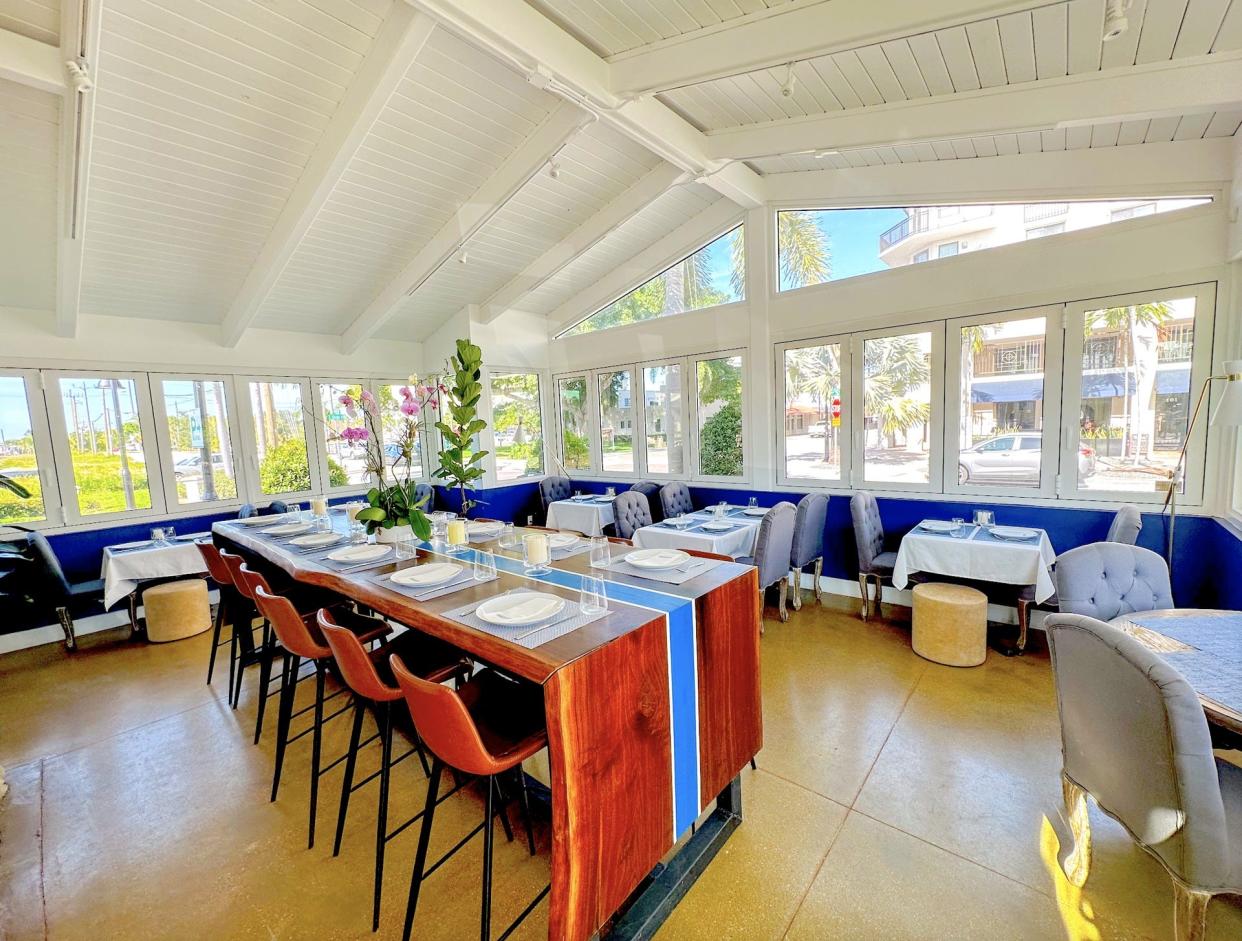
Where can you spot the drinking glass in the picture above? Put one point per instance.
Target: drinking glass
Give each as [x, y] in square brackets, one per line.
[407, 549]
[720, 509]
[438, 526]
[593, 599]
[535, 553]
[484, 565]
[456, 535]
[752, 502]
[601, 554]
[357, 533]
[959, 526]
[578, 493]
[319, 505]
[610, 492]
[157, 536]
[323, 524]
[508, 538]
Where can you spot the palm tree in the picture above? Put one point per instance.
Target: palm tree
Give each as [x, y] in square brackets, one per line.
[1132, 323]
[895, 367]
[816, 371]
[805, 251]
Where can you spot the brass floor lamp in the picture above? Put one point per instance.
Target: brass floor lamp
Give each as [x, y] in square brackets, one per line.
[1228, 412]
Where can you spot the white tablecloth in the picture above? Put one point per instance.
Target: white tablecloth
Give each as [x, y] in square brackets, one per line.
[582, 516]
[737, 542]
[979, 556]
[122, 571]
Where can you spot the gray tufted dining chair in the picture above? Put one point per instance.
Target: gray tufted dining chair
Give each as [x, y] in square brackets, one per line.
[675, 499]
[425, 490]
[552, 489]
[631, 511]
[874, 564]
[1108, 579]
[808, 544]
[651, 490]
[773, 544]
[1134, 737]
[1125, 528]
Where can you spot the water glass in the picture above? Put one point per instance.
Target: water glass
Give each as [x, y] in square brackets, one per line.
[610, 492]
[323, 524]
[508, 537]
[407, 549]
[535, 553]
[593, 598]
[984, 518]
[157, 536]
[484, 565]
[959, 527]
[438, 525]
[601, 552]
[720, 509]
[752, 502]
[357, 533]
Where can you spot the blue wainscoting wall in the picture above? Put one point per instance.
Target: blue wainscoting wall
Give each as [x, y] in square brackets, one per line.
[1208, 572]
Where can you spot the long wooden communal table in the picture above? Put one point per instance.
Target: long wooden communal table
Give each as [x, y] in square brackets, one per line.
[652, 712]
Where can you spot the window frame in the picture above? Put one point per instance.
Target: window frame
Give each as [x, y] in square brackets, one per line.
[783, 478]
[639, 421]
[935, 429]
[250, 442]
[320, 440]
[1195, 471]
[645, 472]
[1050, 452]
[424, 429]
[44, 453]
[589, 409]
[71, 512]
[168, 476]
[489, 441]
[696, 475]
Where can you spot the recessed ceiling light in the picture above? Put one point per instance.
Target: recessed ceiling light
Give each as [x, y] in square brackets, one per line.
[821, 154]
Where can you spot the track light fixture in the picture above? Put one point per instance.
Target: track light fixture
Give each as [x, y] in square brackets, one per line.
[1115, 20]
[462, 256]
[787, 89]
[554, 170]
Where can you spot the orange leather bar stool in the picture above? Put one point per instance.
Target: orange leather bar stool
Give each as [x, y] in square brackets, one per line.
[487, 728]
[361, 670]
[300, 640]
[230, 608]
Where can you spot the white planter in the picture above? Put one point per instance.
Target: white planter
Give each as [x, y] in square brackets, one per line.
[396, 534]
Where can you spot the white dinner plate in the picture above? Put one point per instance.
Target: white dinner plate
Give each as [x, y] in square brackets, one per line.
[255, 521]
[561, 540]
[315, 539]
[520, 609]
[484, 529]
[427, 575]
[289, 529]
[937, 526]
[1014, 532]
[755, 510]
[581, 497]
[680, 522]
[716, 526]
[657, 558]
[363, 553]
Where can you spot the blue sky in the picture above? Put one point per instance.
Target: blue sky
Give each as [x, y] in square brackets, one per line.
[854, 237]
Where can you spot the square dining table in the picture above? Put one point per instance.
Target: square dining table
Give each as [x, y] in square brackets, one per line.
[979, 555]
[588, 515]
[127, 565]
[736, 542]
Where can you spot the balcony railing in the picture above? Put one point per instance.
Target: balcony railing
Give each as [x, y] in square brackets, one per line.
[928, 219]
[1037, 212]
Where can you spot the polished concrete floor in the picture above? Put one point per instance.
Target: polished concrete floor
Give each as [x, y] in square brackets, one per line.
[894, 799]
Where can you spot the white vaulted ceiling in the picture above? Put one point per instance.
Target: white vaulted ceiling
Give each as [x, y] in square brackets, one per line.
[29, 131]
[37, 19]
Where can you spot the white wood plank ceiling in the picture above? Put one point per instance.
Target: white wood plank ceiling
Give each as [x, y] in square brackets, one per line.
[212, 119]
[1051, 42]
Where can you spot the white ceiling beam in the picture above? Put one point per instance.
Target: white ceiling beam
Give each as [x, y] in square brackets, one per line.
[1178, 168]
[528, 159]
[649, 187]
[656, 257]
[30, 62]
[1183, 86]
[78, 56]
[791, 33]
[400, 39]
[1235, 202]
[517, 33]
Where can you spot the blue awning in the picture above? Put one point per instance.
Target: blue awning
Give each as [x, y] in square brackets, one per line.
[1014, 389]
[1101, 385]
[1173, 381]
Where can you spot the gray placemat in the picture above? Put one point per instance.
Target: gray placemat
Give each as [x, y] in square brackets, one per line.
[464, 580]
[668, 576]
[570, 552]
[984, 535]
[336, 566]
[569, 620]
[341, 543]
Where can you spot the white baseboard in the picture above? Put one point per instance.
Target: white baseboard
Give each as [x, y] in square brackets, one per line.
[52, 634]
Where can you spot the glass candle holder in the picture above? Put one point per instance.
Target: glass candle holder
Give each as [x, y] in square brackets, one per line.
[319, 506]
[456, 536]
[535, 553]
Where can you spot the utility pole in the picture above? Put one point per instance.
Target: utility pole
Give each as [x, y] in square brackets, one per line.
[126, 481]
[204, 450]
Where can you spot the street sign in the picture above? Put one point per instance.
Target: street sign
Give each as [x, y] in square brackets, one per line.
[196, 430]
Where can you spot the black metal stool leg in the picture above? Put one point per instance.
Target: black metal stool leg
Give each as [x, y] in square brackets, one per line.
[217, 625]
[284, 716]
[265, 676]
[347, 783]
[234, 654]
[424, 837]
[381, 827]
[502, 803]
[485, 917]
[316, 745]
[530, 831]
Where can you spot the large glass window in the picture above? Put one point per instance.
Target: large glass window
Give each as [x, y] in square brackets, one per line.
[517, 425]
[897, 406]
[812, 434]
[18, 461]
[662, 417]
[105, 444]
[1134, 398]
[818, 245]
[346, 459]
[713, 275]
[280, 437]
[616, 420]
[718, 399]
[403, 454]
[1001, 409]
[575, 442]
[200, 444]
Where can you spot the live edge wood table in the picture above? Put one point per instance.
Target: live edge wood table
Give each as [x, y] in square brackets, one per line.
[652, 713]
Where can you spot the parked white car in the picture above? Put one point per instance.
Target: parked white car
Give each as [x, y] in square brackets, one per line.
[1012, 459]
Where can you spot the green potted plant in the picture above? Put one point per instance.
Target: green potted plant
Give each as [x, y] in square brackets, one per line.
[393, 513]
[459, 422]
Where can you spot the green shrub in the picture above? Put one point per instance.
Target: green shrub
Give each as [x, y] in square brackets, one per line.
[285, 469]
[720, 447]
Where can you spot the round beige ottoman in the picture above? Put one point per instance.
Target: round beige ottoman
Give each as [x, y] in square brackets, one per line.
[176, 609]
[950, 624]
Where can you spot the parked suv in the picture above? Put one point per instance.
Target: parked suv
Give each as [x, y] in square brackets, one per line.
[1012, 459]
